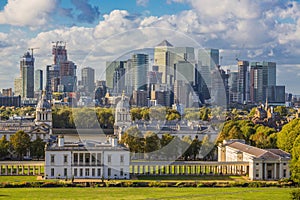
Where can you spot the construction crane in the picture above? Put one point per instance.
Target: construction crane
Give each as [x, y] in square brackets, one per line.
[31, 49]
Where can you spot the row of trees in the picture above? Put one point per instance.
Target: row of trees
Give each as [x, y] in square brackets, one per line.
[288, 139]
[6, 112]
[18, 146]
[168, 146]
[255, 134]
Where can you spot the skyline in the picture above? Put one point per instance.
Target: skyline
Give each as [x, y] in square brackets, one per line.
[90, 29]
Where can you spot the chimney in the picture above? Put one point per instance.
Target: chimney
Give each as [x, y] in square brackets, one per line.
[61, 141]
[114, 141]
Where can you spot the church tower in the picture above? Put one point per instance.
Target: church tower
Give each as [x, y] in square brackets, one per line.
[44, 113]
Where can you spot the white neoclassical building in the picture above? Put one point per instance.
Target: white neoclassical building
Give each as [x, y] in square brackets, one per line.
[264, 164]
[87, 159]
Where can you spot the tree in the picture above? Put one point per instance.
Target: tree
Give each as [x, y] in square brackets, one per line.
[295, 163]
[134, 139]
[282, 110]
[4, 144]
[172, 115]
[37, 148]
[20, 142]
[287, 136]
[152, 142]
[166, 139]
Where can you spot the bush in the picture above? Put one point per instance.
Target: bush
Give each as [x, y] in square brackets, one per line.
[295, 194]
[157, 184]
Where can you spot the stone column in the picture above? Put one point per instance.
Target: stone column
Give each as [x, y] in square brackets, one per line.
[28, 171]
[275, 171]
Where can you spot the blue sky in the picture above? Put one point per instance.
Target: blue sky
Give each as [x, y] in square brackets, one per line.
[101, 30]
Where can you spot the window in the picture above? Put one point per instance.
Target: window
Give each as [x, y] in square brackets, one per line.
[109, 158]
[108, 172]
[93, 158]
[284, 173]
[99, 172]
[93, 172]
[121, 172]
[257, 163]
[87, 172]
[122, 159]
[284, 164]
[81, 158]
[52, 172]
[75, 172]
[65, 172]
[257, 173]
[99, 159]
[75, 158]
[87, 158]
[81, 172]
[52, 158]
[65, 158]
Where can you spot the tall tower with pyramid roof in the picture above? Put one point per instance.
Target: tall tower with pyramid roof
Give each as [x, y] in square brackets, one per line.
[44, 113]
[166, 55]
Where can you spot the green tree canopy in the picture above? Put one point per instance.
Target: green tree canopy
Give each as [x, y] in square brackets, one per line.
[20, 142]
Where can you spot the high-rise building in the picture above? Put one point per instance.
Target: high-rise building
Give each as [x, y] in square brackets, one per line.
[119, 80]
[88, 78]
[111, 66]
[262, 76]
[38, 80]
[7, 92]
[166, 55]
[233, 86]
[140, 65]
[24, 85]
[243, 81]
[61, 75]
[208, 61]
[186, 72]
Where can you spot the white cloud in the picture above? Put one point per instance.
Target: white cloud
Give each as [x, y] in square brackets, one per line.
[142, 2]
[25, 13]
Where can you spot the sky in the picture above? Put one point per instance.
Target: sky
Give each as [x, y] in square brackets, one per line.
[96, 31]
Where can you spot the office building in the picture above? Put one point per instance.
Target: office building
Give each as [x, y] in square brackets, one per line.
[166, 55]
[38, 80]
[88, 79]
[7, 92]
[243, 81]
[208, 61]
[262, 76]
[24, 85]
[140, 65]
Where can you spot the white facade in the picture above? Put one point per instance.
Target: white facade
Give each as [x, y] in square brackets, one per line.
[87, 160]
[264, 164]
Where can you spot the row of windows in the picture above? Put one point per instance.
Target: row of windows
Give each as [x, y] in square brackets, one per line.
[87, 172]
[86, 158]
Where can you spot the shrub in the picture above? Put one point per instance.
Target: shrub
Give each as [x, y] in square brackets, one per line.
[295, 194]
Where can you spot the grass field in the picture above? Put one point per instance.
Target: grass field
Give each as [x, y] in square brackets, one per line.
[146, 193]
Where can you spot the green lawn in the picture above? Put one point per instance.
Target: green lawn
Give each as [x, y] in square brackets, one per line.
[145, 193]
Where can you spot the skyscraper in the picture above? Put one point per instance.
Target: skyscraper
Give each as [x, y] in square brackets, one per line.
[262, 76]
[88, 78]
[208, 61]
[166, 55]
[140, 65]
[61, 75]
[38, 80]
[24, 85]
[243, 81]
[110, 71]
